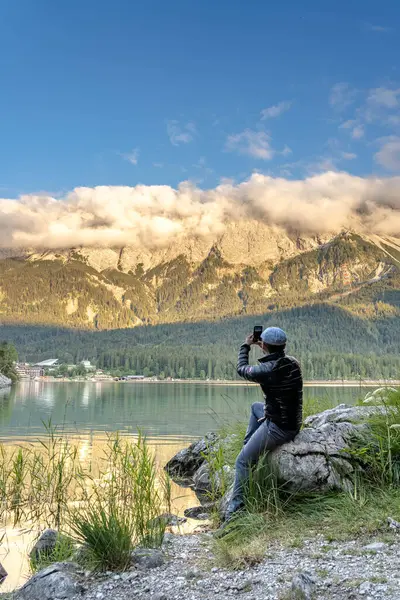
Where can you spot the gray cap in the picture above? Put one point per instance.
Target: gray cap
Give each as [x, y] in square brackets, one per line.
[274, 336]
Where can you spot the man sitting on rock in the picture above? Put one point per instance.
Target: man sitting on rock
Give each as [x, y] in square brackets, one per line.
[276, 421]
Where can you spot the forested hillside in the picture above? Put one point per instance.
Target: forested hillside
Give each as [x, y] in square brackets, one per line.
[331, 343]
[339, 301]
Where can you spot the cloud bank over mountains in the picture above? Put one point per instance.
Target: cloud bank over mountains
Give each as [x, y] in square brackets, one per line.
[155, 216]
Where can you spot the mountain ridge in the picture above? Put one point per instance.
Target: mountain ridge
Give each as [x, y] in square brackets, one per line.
[85, 288]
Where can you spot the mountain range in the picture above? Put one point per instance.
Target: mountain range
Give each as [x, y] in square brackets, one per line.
[250, 269]
[183, 310]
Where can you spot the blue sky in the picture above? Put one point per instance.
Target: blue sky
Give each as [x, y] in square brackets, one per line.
[157, 92]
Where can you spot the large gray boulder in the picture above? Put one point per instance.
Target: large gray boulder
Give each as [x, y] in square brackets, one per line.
[316, 460]
[60, 581]
[5, 382]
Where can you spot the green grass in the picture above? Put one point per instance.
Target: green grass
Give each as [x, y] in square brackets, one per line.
[121, 512]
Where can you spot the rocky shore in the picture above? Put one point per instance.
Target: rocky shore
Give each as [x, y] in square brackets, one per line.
[4, 381]
[184, 569]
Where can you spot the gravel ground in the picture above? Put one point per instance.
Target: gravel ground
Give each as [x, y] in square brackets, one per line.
[337, 570]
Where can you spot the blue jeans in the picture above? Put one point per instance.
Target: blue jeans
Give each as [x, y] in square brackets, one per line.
[260, 438]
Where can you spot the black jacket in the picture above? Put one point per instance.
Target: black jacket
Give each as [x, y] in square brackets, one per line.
[281, 381]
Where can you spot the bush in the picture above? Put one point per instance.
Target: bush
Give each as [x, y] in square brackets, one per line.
[119, 510]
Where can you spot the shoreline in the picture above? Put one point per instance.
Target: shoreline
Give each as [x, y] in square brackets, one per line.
[307, 383]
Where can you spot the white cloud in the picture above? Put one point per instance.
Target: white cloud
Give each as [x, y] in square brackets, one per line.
[132, 157]
[389, 154]
[147, 217]
[358, 132]
[341, 96]
[376, 28]
[384, 97]
[274, 111]
[348, 155]
[158, 165]
[253, 143]
[348, 124]
[180, 134]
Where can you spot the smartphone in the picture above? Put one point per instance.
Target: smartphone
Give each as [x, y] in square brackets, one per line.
[257, 333]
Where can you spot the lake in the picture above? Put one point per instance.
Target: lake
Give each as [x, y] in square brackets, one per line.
[170, 414]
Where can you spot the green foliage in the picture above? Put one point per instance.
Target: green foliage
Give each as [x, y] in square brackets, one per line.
[331, 344]
[8, 356]
[379, 449]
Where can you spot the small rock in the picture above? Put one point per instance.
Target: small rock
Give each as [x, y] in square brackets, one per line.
[243, 586]
[393, 524]
[303, 585]
[198, 512]
[3, 573]
[148, 558]
[365, 587]
[375, 547]
[193, 574]
[159, 597]
[99, 596]
[45, 545]
[168, 519]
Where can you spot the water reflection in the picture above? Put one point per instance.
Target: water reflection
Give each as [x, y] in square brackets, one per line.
[180, 410]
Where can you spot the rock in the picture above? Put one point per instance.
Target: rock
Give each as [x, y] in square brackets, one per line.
[303, 586]
[3, 573]
[5, 382]
[223, 504]
[343, 413]
[365, 587]
[168, 519]
[148, 558]
[45, 545]
[186, 462]
[198, 512]
[57, 582]
[193, 574]
[205, 483]
[393, 524]
[316, 460]
[160, 596]
[375, 547]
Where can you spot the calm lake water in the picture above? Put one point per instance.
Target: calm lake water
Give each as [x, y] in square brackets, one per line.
[166, 412]
[170, 414]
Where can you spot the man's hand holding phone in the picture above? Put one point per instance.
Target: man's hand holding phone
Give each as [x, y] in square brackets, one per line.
[255, 337]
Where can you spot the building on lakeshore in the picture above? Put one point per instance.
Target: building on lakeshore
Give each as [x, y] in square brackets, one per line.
[48, 364]
[26, 371]
[88, 365]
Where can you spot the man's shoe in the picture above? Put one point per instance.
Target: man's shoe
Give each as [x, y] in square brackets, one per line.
[227, 526]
